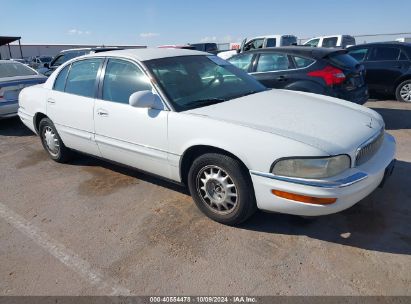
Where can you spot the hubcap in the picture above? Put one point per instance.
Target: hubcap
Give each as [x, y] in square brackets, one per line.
[51, 141]
[405, 92]
[217, 189]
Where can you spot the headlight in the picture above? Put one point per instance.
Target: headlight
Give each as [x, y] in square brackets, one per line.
[312, 167]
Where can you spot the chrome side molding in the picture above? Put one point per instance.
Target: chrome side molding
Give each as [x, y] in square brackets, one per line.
[344, 182]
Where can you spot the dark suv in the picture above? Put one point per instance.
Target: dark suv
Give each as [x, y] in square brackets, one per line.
[66, 55]
[316, 70]
[388, 67]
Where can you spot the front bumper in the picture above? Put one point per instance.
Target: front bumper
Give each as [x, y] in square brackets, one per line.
[8, 108]
[349, 188]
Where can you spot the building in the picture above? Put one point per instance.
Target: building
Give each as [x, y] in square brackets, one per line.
[30, 50]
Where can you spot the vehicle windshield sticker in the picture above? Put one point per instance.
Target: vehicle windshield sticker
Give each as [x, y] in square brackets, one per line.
[218, 60]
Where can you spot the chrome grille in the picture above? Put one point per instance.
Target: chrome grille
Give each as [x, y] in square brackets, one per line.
[369, 148]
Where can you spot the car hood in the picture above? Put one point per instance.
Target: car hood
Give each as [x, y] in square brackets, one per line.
[332, 125]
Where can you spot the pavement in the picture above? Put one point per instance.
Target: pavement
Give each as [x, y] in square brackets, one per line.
[93, 228]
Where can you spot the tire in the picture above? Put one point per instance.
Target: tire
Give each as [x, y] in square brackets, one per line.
[222, 188]
[403, 91]
[52, 142]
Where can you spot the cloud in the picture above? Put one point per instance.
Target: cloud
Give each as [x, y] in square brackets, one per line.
[78, 32]
[149, 35]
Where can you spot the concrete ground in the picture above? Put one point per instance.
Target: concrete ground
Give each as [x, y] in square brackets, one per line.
[93, 228]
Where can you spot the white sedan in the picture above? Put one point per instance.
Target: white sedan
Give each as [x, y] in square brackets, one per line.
[194, 118]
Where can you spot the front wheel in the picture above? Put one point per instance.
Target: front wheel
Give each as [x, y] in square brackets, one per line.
[222, 188]
[403, 91]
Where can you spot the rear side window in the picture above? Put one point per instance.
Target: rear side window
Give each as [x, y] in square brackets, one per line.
[359, 54]
[330, 42]
[272, 62]
[382, 53]
[242, 61]
[60, 81]
[288, 40]
[271, 42]
[82, 77]
[301, 62]
[342, 60]
[13, 69]
[122, 79]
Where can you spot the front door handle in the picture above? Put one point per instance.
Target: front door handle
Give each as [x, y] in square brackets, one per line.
[281, 78]
[51, 101]
[101, 112]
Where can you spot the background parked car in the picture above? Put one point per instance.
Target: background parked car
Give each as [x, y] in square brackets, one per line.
[261, 42]
[14, 76]
[316, 70]
[66, 55]
[39, 61]
[333, 41]
[174, 46]
[206, 47]
[388, 67]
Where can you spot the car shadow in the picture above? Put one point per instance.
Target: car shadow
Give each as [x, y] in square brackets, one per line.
[14, 127]
[395, 119]
[380, 222]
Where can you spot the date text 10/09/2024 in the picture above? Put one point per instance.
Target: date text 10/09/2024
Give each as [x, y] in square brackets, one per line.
[233, 299]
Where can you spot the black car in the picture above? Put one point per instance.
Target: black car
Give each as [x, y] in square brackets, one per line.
[208, 47]
[388, 66]
[316, 70]
[66, 55]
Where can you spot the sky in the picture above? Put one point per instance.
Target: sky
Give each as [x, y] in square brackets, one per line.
[159, 22]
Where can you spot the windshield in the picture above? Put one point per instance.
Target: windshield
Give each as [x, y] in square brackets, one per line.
[12, 69]
[195, 81]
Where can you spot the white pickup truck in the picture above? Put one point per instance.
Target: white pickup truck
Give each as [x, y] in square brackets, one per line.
[261, 42]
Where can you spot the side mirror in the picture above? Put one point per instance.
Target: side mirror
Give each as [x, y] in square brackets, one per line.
[145, 99]
[46, 65]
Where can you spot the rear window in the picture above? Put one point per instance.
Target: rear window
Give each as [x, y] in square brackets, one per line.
[342, 60]
[13, 69]
[288, 40]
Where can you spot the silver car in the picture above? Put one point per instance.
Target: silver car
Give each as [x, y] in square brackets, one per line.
[14, 76]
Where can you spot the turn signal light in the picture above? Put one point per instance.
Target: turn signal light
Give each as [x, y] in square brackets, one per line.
[304, 198]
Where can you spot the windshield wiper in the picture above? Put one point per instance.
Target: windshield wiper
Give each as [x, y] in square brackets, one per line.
[207, 101]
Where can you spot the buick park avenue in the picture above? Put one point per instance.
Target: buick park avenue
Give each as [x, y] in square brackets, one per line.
[196, 119]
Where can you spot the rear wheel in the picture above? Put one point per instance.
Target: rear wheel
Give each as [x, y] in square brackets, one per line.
[221, 188]
[403, 91]
[52, 142]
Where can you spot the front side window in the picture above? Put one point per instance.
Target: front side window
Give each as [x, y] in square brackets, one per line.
[273, 62]
[123, 78]
[81, 79]
[13, 69]
[359, 54]
[242, 61]
[312, 42]
[197, 81]
[60, 81]
[302, 62]
[330, 42]
[254, 44]
[383, 53]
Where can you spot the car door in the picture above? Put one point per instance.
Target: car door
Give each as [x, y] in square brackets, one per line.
[383, 68]
[70, 104]
[129, 135]
[273, 69]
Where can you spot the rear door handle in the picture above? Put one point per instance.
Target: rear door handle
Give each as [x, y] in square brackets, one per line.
[51, 101]
[102, 112]
[281, 78]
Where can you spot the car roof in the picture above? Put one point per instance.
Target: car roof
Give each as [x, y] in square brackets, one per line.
[392, 43]
[313, 52]
[150, 53]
